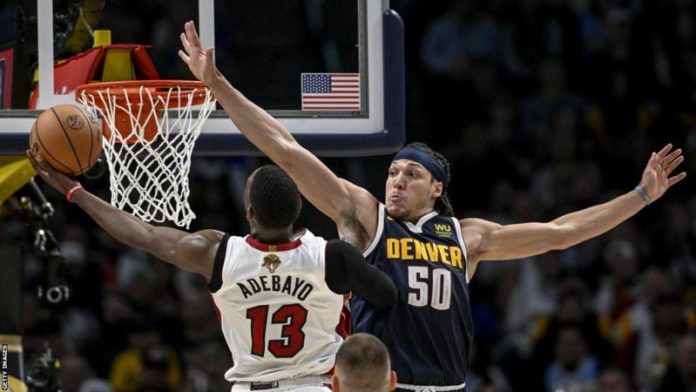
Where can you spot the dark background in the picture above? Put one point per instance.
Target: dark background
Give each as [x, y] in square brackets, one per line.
[542, 107]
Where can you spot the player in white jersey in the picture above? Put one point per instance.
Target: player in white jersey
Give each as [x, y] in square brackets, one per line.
[280, 295]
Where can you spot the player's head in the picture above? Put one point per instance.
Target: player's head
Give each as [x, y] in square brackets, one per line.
[271, 198]
[362, 365]
[417, 183]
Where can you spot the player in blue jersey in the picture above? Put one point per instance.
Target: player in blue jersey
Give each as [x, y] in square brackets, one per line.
[430, 255]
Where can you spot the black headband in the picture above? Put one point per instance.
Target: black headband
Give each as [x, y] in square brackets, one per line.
[425, 159]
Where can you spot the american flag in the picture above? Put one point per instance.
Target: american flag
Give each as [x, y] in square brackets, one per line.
[331, 91]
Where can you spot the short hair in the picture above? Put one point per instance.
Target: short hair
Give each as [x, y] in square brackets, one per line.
[363, 363]
[442, 204]
[274, 197]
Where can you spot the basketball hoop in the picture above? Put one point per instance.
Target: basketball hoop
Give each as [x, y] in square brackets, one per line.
[150, 128]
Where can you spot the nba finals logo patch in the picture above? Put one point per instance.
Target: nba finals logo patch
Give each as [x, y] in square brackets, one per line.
[272, 262]
[444, 231]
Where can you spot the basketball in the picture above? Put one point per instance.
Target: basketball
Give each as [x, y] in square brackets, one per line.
[68, 137]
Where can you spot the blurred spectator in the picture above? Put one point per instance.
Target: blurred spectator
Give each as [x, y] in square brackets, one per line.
[616, 291]
[204, 366]
[614, 380]
[96, 385]
[533, 298]
[463, 34]
[573, 314]
[74, 371]
[647, 330]
[147, 364]
[574, 367]
[681, 374]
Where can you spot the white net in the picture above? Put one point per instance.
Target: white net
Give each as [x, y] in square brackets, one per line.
[148, 171]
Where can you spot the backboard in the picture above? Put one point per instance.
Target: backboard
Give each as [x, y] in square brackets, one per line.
[285, 55]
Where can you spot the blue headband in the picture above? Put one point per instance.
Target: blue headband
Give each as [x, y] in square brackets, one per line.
[425, 159]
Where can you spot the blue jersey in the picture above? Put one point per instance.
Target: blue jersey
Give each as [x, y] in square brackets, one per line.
[429, 330]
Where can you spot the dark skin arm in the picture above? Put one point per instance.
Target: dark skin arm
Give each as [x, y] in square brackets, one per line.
[193, 252]
[347, 271]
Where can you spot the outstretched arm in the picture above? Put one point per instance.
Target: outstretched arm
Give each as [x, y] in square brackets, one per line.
[490, 241]
[336, 198]
[193, 252]
[347, 271]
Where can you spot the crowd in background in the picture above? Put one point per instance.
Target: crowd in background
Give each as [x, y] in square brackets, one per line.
[542, 107]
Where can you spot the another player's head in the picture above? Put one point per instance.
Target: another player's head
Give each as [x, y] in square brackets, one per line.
[271, 199]
[417, 183]
[362, 365]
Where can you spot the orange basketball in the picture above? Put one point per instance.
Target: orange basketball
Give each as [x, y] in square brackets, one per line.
[68, 138]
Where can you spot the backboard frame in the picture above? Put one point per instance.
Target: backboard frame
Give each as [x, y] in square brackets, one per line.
[382, 131]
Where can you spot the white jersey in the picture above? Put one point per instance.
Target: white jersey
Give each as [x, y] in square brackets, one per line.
[278, 315]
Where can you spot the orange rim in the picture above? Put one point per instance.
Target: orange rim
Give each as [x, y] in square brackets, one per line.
[190, 91]
[156, 88]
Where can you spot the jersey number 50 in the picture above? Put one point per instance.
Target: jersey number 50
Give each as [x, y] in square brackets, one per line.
[439, 286]
[292, 317]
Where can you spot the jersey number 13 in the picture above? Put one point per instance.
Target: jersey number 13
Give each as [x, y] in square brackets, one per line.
[292, 317]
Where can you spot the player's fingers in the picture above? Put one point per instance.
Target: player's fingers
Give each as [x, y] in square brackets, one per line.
[676, 179]
[665, 150]
[671, 157]
[185, 43]
[30, 156]
[675, 163]
[43, 164]
[192, 35]
[36, 158]
[37, 167]
[183, 56]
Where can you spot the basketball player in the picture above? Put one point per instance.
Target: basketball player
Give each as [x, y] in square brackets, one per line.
[362, 365]
[413, 236]
[280, 295]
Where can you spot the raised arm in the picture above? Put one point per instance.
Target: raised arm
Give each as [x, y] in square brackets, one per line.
[490, 241]
[193, 252]
[347, 271]
[338, 199]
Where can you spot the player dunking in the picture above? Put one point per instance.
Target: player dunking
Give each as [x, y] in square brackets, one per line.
[413, 236]
[280, 295]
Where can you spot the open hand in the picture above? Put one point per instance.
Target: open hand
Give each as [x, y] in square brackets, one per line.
[656, 176]
[56, 179]
[200, 61]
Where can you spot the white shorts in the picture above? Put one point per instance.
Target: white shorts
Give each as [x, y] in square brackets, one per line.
[431, 388]
[299, 384]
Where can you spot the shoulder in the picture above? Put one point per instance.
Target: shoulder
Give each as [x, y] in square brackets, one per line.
[473, 231]
[201, 245]
[204, 239]
[477, 226]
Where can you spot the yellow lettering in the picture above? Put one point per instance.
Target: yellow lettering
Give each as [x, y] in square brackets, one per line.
[456, 254]
[392, 248]
[432, 251]
[406, 247]
[441, 227]
[420, 250]
[443, 253]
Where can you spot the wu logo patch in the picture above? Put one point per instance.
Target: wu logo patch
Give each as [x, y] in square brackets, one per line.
[443, 230]
[271, 261]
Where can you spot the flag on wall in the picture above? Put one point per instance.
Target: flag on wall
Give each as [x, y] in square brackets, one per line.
[330, 91]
